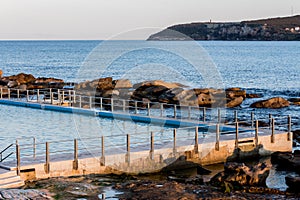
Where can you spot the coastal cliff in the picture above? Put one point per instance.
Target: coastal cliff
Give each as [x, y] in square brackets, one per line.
[277, 29]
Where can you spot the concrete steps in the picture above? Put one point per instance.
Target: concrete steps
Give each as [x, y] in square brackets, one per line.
[9, 179]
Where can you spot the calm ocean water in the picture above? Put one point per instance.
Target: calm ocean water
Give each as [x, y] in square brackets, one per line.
[274, 66]
[271, 68]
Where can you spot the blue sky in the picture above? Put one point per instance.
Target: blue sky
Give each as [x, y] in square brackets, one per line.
[103, 19]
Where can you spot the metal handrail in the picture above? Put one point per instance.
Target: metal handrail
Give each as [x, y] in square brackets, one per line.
[4, 150]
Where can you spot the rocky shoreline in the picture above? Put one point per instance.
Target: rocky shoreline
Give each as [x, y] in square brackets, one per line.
[238, 180]
[147, 91]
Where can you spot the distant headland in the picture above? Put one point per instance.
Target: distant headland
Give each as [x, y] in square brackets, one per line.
[273, 29]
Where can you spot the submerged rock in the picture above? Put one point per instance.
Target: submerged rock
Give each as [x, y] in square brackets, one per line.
[274, 103]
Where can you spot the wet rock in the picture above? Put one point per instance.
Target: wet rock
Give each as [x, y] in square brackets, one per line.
[295, 101]
[181, 163]
[153, 93]
[208, 91]
[253, 96]
[287, 160]
[235, 102]
[293, 182]
[274, 103]
[23, 194]
[44, 82]
[171, 96]
[296, 135]
[235, 92]
[238, 174]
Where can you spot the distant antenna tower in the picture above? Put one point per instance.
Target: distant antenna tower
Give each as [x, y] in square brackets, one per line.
[292, 10]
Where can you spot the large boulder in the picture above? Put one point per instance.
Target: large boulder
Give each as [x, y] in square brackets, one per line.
[235, 92]
[45, 82]
[206, 100]
[23, 78]
[171, 96]
[152, 93]
[157, 83]
[105, 83]
[234, 102]
[274, 103]
[122, 84]
[239, 174]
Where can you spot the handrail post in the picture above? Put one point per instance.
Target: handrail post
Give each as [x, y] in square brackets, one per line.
[127, 156]
[101, 103]
[252, 119]
[74, 97]
[38, 95]
[219, 115]
[152, 146]
[58, 97]
[196, 150]
[217, 146]
[273, 130]
[18, 94]
[90, 102]
[236, 116]
[80, 101]
[289, 128]
[204, 114]
[34, 147]
[270, 121]
[124, 105]
[47, 164]
[256, 133]
[18, 155]
[175, 111]
[51, 97]
[112, 104]
[174, 140]
[135, 107]
[102, 159]
[148, 108]
[1, 90]
[8, 93]
[236, 134]
[27, 95]
[63, 96]
[75, 162]
[70, 98]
